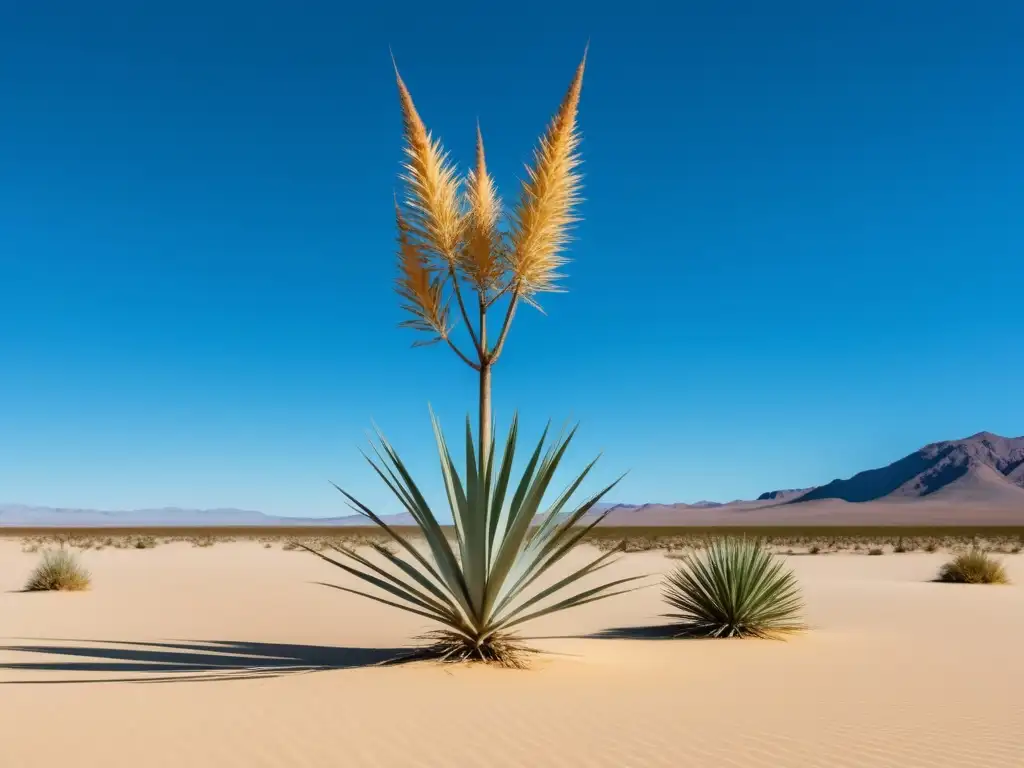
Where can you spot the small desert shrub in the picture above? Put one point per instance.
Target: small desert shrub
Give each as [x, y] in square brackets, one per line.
[1015, 549]
[735, 588]
[144, 542]
[900, 547]
[876, 551]
[931, 546]
[59, 569]
[974, 567]
[814, 550]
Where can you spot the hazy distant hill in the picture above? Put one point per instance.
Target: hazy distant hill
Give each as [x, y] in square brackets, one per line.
[21, 515]
[977, 480]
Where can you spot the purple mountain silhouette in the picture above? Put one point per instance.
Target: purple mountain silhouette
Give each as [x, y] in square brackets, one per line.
[983, 467]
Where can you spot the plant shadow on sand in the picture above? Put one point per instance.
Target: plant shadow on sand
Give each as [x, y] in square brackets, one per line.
[643, 632]
[190, 661]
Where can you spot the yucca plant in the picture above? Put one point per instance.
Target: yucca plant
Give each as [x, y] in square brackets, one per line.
[455, 244]
[973, 567]
[484, 586]
[733, 588]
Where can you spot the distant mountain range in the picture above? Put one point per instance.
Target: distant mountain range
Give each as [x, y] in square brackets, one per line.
[977, 480]
[983, 468]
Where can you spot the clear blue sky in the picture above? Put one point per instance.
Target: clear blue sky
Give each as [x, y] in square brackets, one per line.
[801, 253]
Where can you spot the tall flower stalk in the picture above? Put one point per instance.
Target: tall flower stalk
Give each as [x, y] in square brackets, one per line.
[457, 242]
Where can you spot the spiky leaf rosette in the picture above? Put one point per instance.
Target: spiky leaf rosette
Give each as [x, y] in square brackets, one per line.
[485, 586]
[734, 588]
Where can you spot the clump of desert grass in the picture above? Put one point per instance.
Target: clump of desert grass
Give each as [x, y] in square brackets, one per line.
[973, 567]
[876, 551]
[734, 588]
[59, 569]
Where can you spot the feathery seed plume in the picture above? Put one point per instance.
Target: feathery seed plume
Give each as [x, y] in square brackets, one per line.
[416, 284]
[542, 219]
[431, 184]
[479, 256]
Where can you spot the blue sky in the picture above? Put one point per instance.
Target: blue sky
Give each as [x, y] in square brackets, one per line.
[801, 253]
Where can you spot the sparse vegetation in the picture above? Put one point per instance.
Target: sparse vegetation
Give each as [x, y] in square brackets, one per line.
[973, 567]
[734, 588]
[631, 539]
[876, 551]
[59, 569]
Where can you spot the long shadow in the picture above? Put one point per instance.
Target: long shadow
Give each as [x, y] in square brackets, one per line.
[191, 661]
[644, 632]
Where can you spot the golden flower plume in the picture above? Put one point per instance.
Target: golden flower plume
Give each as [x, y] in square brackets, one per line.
[544, 215]
[479, 256]
[418, 285]
[432, 187]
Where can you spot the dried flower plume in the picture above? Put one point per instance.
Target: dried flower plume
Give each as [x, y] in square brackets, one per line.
[480, 254]
[434, 216]
[449, 236]
[542, 219]
[418, 286]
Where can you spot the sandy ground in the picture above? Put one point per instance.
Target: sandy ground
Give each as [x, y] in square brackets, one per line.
[233, 656]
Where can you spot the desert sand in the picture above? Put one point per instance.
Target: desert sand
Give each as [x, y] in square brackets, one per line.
[233, 656]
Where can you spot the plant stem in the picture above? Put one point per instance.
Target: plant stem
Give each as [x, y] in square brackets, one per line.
[479, 344]
[509, 314]
[485, 392]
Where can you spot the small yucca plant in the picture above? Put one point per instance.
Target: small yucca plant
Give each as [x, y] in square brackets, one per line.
[58, 570]
[973, 567]
[734, 588]
[483, 588]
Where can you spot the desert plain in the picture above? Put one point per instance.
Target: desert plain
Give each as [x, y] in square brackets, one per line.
[236, 655]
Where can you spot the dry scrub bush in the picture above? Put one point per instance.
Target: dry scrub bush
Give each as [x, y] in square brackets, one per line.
[974, 567]
[58, 570]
